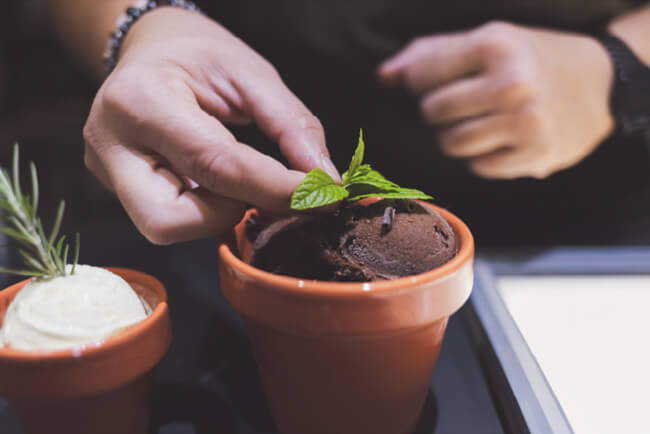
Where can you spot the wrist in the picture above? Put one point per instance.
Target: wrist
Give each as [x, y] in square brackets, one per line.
[596, 77]
[134, 16]
[630, 89]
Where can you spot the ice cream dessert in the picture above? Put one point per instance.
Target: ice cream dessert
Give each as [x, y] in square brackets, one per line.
[71, 311]
[385, 240]
[64, 305]
[391, 238]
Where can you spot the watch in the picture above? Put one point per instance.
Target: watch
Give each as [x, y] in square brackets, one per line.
[630, 94]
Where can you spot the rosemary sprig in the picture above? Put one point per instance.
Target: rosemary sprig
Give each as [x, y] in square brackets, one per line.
[44, 256]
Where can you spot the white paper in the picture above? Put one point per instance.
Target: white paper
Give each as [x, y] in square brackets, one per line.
[591, 337]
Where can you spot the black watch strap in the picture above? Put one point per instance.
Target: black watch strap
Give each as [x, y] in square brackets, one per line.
[630, 96]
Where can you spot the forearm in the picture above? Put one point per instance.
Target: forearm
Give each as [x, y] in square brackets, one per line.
[634, 28]
[84, 26]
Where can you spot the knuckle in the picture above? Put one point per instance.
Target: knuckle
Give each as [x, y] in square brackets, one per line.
[88, 134]
[88, 160]
[270, 69]
[532, 123]
[114, 96]
[215, 166]
[308, 121]
[518, 89]
[494, 39]
[134, 95]
[158, 230]
[417, 43]
[496, 27]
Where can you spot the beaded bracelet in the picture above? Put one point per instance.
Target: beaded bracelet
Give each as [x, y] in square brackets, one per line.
[128, 18]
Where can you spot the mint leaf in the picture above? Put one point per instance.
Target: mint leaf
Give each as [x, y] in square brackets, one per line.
[358, 182]
[382, 187]
[317, 189]
[356, 161]
[372, 177]
[405, 193]
[363, 170]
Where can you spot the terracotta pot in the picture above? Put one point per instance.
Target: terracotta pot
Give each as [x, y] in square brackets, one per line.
[102, 389]
[340, 357]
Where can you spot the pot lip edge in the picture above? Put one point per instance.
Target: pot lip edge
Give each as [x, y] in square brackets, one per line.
[331, 289]
[108, 345]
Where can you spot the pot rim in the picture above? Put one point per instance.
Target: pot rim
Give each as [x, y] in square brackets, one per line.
[105, 346]
[323, 288]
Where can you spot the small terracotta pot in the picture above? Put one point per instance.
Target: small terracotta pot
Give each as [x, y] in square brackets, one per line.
[340, 357]
[102, 389]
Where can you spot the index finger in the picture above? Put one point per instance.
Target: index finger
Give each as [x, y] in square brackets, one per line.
[433, 61]
[200, 147]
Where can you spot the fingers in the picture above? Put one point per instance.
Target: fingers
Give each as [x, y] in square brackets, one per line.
[472, 97]
[158, 202]
[201, 148]
[475, 137]
[94, 164]
[286, 120]
[509, 163]
[430, 62]
[172, 124]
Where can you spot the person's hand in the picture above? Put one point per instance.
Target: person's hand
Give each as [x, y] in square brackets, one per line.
[513, 101]
[156, 136]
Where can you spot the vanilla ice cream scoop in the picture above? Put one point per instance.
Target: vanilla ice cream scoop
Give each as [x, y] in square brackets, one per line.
[72, 311]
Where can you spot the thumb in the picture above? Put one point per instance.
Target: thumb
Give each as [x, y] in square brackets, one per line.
[285, 120]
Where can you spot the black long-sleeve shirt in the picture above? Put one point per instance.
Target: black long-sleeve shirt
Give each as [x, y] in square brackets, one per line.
[327, 53]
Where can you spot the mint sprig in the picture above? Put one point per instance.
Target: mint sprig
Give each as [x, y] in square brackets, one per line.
[359, 181]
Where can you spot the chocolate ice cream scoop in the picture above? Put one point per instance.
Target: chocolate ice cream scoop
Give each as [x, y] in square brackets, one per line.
[385, 240]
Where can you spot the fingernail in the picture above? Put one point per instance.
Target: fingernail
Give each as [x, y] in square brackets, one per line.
[329, 167]
[392, 64]
[389, 71]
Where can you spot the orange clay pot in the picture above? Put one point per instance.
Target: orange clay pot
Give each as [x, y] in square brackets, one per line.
[340, 357]
[102, 389]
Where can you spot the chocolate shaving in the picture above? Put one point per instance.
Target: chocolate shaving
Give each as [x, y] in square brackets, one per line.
[389, 217]
[252, 228]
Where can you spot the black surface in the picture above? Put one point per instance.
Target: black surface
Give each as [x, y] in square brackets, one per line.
[208, 383]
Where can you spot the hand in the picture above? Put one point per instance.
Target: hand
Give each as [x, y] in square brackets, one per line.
[156, 136]
[513, 101]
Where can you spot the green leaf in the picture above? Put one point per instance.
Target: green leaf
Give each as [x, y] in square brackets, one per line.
[76, 253]
[31, 261]
[406, 193]
[375, 178]
[5, 205]
[362, 170]
[358, 182]
[374, 183]
[32, 168]
[29, 273]
[13, 233]
[65, 257]
[356, 161]
[26, 228]
[59, 245]
[317, 189]
[56, 226]
[16, 173]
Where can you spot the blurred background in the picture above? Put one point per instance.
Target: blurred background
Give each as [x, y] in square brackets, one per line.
[45, 98]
